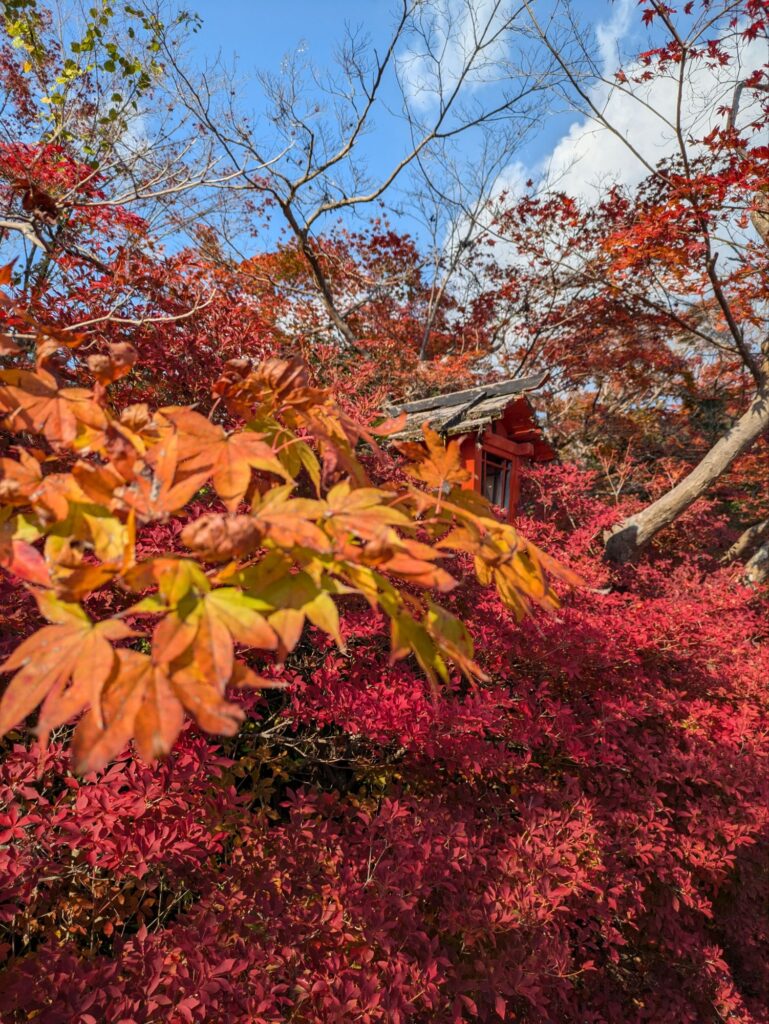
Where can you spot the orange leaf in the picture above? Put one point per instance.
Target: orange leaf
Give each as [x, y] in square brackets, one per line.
[73, 649]
[242, 617]
[366, 512]
[390, 426]
[419, 572]
[94, 744]
[44, 661]
[92, 669]
[288, 623]
[243, 676]
[440, 466]
[204, 701]
[24, 561]
[119, 361]
[35, 402]
[213, 647]
[19, 479]
[173, 636]
[160, 717]
[203, 446]
[290, 522]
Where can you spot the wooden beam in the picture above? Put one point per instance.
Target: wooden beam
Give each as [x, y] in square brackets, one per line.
[503, 446]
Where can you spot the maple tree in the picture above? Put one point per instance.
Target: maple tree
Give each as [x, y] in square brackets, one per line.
[286, 559]
[86, 145]
[672, 274]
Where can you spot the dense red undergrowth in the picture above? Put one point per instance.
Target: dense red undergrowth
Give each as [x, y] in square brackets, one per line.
[582, 838]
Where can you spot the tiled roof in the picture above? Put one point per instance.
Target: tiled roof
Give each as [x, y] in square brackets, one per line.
[463, 412]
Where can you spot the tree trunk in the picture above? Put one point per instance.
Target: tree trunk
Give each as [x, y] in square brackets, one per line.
[748, 540]
[326, 295]
[757, 568]
[760, 215]
[627, 539]
[324, 288]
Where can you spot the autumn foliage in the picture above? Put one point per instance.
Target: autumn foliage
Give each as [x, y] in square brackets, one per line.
[583, 835]
[255, 577]
[293, 727]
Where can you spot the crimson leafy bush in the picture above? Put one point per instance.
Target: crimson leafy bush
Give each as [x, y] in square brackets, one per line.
[582, 838]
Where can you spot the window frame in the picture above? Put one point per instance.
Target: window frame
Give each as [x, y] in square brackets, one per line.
[505, 468]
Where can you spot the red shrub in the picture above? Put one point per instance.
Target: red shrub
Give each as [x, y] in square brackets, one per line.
[582, 838]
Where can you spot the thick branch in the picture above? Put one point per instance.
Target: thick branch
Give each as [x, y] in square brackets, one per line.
[631, 536]
[319, 276]
[747, 540]
[757, 568]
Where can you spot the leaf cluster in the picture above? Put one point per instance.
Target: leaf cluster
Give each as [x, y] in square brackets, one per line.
[303, 527]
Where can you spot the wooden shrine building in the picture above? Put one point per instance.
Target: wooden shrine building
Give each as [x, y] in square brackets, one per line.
[496, 430]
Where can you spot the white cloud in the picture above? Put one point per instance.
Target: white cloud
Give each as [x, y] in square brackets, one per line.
[512, 180]
[449, 37]
[590, 155]
[609, 35]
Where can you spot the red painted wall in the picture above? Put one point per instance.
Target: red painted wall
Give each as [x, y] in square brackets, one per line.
[517, 437]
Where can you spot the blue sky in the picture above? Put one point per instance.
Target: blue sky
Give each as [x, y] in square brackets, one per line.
[261, 32]
[565, 146]
[258, 33]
